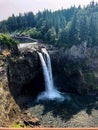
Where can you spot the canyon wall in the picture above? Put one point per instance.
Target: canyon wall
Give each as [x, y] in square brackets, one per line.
[74, 70]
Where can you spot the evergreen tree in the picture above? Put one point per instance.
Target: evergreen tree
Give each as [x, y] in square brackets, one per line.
[3, 27]
[92, 31]
[62, 27]
[50, 36]
[74, 31]
[63, 36]
[84, 29]
[30, 19]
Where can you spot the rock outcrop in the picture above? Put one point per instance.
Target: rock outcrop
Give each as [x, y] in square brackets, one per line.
[24, 74]
[74, 70]
[8, 108]
[11, 115]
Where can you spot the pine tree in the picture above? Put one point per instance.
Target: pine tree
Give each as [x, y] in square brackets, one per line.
[74, 31]
[3, 27]
[92, 31]
[84, 29]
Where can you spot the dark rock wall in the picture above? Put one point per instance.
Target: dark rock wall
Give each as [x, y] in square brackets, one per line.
[74, 70]
[9, 110]
[25, 73]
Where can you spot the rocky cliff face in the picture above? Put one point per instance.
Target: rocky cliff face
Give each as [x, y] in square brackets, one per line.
[8, 108]
[18, 74]
[24, 74]
[74, 70]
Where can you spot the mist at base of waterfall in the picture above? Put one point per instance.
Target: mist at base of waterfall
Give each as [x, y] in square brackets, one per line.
[51, 93]
[81, 111]
[54, 95]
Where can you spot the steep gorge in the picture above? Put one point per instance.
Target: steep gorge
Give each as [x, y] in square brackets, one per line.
[75, 71]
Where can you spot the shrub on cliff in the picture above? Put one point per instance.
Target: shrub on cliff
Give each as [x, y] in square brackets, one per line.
[8, 44]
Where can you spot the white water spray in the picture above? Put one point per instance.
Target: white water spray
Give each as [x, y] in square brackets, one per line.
[48, 65]
[50, 92]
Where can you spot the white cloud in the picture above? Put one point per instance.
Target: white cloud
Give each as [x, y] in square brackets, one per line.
[7, 7]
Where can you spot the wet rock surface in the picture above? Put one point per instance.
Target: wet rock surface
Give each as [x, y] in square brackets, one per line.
[11, 115]
[21, 80]
[21, 71]
[74, 70]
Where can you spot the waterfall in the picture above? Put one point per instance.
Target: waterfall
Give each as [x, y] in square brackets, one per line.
[48, 65]
[50, 91]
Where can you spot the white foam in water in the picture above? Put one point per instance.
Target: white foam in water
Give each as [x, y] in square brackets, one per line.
[49, 65]
[50, 92]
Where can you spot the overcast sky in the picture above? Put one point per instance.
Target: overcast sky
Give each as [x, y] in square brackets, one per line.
[8, 7]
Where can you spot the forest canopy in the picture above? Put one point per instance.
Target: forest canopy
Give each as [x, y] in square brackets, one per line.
[64, 27]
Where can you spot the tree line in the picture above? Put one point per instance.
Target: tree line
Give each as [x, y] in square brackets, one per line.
[64, 27]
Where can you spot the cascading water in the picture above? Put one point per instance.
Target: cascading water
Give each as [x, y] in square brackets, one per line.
[48, 65]
[50, 92]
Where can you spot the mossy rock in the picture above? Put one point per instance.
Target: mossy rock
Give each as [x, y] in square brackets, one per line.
[8, 45]
[6, 39]
[91, 81]
[89, 77]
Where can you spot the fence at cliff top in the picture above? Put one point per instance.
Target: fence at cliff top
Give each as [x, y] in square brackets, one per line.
[22, 38]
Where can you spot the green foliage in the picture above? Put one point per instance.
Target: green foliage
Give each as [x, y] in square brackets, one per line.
[63, 27]
[84, 29]
[33, 32]
[50, 36]
[63, 36]
[4, 28]
[6, 39]
[18, 125]
[91, 80]
[89, 76]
